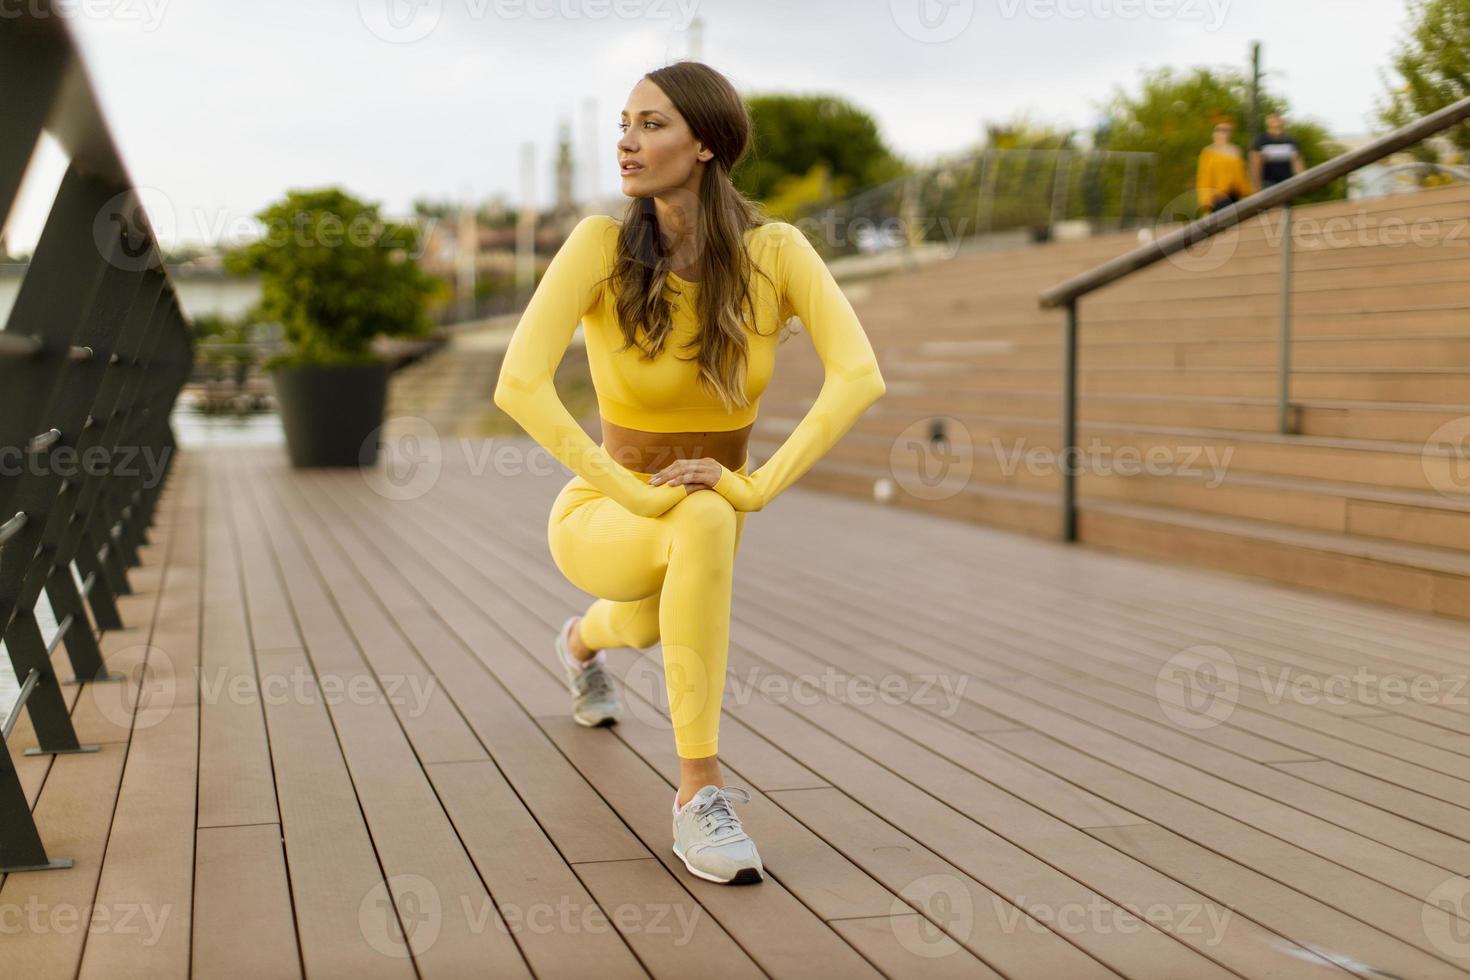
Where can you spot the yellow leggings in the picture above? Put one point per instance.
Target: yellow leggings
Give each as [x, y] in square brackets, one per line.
[659, 579]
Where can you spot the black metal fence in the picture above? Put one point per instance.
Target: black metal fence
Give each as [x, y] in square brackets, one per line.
[990, 191]
[92, 357]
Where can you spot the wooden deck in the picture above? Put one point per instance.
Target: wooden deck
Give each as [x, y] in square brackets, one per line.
[1013, 758]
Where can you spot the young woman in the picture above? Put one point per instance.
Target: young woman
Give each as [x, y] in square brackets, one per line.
[1220, 179]
[681, 303]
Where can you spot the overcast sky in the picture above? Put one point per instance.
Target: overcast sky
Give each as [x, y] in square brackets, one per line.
[219, 108]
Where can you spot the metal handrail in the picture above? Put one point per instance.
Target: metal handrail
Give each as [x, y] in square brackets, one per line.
[1226, 218]
[96, 348]
[1067, 293]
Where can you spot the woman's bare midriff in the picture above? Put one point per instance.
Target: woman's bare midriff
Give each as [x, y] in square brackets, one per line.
[649, 452]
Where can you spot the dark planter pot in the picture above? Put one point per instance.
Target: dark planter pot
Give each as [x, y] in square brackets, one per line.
[331, 413]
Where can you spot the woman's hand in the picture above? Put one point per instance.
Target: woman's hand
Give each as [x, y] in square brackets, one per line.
[692, 474]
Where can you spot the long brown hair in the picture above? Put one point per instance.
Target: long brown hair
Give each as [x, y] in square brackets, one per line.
[719, 118]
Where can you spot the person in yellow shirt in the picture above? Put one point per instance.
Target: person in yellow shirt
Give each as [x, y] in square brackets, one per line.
[1221, 179]
[681, 304]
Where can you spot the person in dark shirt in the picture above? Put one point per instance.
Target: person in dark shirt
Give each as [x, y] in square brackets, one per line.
[1275, 156]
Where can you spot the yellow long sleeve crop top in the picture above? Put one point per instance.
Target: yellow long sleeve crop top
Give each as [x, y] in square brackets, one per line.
[1219, 173]
[663, 394]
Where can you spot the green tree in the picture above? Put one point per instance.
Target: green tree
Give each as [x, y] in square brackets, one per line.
[223, 329]
[1174, 115]
[334, 275]
[800, 136]
[1021, 132]
[1433, 65]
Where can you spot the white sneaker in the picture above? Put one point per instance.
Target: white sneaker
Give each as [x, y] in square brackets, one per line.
[594, 697]
[710, 841]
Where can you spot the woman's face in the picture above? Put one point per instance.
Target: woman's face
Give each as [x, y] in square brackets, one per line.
[658, 144]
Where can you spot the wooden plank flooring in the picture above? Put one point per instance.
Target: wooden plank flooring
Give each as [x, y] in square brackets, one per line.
[343, 750]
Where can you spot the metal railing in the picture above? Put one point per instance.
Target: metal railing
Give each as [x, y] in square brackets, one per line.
[92, 357]
[1066, 294]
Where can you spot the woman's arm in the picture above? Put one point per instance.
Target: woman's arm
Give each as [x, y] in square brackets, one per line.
[525, 390]
[852, 380]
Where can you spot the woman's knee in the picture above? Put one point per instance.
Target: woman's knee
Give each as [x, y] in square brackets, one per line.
[704, 512]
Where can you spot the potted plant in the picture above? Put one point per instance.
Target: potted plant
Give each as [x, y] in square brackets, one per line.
[335, 276]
